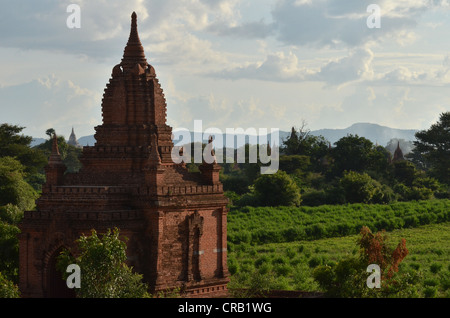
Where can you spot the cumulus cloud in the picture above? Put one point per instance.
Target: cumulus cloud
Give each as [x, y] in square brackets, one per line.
[281, 67]
[50, 102]
[334, 23]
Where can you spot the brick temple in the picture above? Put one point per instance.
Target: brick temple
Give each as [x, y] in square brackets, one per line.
[175, 220]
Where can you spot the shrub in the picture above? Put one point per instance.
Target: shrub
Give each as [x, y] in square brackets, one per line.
[360, 187]
[282, 269]
[277, 189]
[314, 261]
[314, 198]
[435, 268]
[348, 277]
[430, 292]
[7, 288]
[415, 266]
[105, 274]
[445, 281]
[261, 261]
[232, 266]
[430, 282]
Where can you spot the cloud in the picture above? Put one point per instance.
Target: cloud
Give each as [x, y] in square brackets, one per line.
[354, 67]
[281, 67]
[251, 30]
[336, 23]
[277, 67]
[50, 102]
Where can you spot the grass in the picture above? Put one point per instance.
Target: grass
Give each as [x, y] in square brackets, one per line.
[290, 265]
[264, 225]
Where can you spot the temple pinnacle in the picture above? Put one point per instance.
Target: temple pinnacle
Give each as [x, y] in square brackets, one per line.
[134, 52]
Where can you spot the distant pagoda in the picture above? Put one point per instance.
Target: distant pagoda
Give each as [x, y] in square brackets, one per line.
[398, 154]
[73, 140]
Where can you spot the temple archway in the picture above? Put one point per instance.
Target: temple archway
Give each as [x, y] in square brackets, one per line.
[56, 286]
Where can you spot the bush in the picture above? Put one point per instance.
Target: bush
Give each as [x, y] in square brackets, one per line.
[314, 198]
[314, 261]
[282, 269]
[430, 282]
[7, 288]
[105, 274]
[430, 292]
[277, 190]
[360, 187]
[237, 184]
[348, 277]
[435, 268]
[248, 199]
[232, 266]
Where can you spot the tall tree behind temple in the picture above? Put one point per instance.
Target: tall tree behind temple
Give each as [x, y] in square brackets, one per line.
[69, 153]
[432, 148]
[16, 145]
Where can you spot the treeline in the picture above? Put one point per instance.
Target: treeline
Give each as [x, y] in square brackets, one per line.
[313, 172]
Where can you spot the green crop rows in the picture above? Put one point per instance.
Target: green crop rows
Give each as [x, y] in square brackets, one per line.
[264, 225]
[260, 256]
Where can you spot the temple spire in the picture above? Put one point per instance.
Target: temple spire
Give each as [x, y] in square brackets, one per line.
[54, 171]
[134, 51]
[55, 149]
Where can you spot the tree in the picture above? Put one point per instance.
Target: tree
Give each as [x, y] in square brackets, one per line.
[13, 188]
[277, 189]
[50, 132]
[294, 164]
[301, 142]
[7, 288]
[69, 154]
[360, 187]
[348, 278]
[104, 273]
[18, 146]
[291, 146]
[352, 153]
[405, 172]
[433, 147]
[9, 251]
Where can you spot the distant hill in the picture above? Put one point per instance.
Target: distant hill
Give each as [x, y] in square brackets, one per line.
[375, 133]
[87, 140]
[37, 141]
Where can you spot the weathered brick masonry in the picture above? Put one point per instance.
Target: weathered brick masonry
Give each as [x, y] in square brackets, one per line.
[175, 220]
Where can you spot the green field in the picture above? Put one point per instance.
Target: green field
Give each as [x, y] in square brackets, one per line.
[289, 265]
[263, 225]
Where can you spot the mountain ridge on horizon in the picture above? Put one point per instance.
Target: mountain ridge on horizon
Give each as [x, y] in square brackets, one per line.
[374, 132]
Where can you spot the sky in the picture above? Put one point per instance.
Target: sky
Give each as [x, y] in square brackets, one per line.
[230, 63]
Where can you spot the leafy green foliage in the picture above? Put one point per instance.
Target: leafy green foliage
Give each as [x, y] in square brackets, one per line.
[104, 273]
[7, 288]
[9, 251]
[18, 146]
[277, 189]
[432, 148]
[69, 154]
[13, 188]
[361, 188]
[262, 225]
[352, 153]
